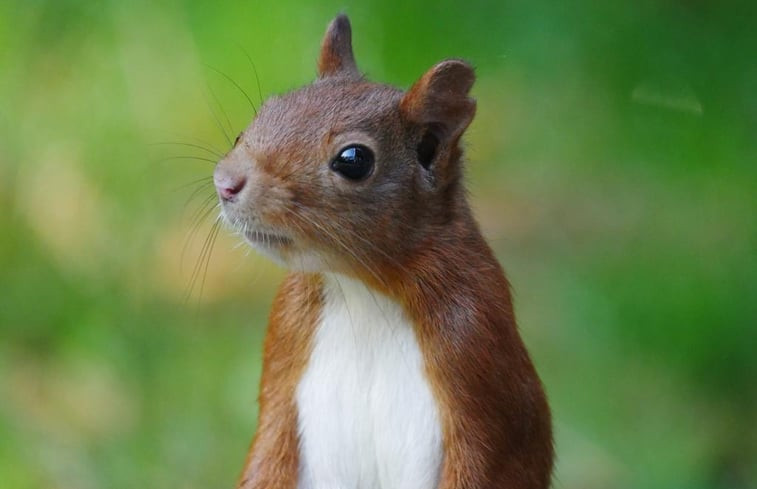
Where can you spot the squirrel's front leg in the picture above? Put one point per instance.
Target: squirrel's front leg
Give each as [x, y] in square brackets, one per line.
[272, 462]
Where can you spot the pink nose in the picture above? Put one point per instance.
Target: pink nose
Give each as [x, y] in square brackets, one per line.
[229, 186]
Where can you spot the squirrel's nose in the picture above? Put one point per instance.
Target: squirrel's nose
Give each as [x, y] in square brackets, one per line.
[228, 186]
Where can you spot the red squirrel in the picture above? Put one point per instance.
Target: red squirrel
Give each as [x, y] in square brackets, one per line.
[392, 358]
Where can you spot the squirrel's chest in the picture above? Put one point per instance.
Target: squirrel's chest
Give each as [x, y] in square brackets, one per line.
[367, 418]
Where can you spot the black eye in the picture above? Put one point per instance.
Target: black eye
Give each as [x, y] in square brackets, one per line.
[353, 162]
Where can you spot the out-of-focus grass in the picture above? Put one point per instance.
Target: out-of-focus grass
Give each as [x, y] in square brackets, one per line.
[612, 165]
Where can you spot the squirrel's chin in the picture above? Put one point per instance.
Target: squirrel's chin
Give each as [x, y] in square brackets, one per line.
[290, 256]
[291, 253]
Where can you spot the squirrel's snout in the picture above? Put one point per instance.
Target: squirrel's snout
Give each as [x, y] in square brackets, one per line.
[227, 185]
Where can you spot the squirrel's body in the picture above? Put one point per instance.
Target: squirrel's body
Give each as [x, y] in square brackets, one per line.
[392, 358]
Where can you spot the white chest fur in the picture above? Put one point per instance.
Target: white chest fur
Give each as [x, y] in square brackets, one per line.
[367, 418]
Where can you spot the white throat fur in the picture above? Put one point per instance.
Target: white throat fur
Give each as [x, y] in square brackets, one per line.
[367, 417]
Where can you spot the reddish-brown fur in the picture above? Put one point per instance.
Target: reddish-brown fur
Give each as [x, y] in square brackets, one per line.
[408, 232]
[273, 460]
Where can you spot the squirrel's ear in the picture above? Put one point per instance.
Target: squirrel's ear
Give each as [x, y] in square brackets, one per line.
[336, 57]
[440, 99]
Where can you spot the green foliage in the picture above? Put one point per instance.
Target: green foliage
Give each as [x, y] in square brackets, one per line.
[612, 165]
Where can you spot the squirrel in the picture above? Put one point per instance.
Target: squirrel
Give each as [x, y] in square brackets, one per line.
[392, 357]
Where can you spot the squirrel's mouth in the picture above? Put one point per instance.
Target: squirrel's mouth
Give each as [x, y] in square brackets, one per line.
[268, 240]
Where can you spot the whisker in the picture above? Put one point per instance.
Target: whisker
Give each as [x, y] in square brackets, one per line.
[208, 145]
[184, 157]
[214, 231]
[189, 145]
[195, 193]
[196, 220]
[199, 265]
[216, 118]
[207, 179]
[254, 70]
[254, 109]
[223, 111]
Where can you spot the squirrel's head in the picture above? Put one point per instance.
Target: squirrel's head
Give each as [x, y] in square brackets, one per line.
[345, 174]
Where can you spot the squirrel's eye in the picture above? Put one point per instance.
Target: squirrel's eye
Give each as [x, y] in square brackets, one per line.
[353, 162]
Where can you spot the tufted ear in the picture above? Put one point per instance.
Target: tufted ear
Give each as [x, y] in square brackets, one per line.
[336, 57]
[440, 101]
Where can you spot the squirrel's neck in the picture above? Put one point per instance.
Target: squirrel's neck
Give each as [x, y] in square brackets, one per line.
[447, 254]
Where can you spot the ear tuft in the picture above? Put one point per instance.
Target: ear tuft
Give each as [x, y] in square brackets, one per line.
[336, 57]
[440, 98]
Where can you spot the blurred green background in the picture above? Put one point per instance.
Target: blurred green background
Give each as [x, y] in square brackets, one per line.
[612, 164]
